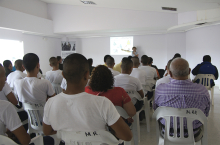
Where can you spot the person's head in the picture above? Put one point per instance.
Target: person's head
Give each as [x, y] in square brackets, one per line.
[110, 62]
[90, 61]
[54, 62]
[129, 57]
[136, 62]
[19, 65]
[2, 77]
[59, 59]
[176, 55]
[179, 69]
[206, 58]
[150, 60]
[126, 66]
[31, 62]
[76, 70]
[105, 57]
[101, 79]
[8, 64]
[134, 49]
[144, 59]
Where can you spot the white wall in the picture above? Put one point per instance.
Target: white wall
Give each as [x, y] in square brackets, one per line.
[32, 7]
[36, 44]
[160, 47]
[203, 41]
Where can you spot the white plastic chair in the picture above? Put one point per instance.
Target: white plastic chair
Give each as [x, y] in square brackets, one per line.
[205, 79]
[35, 119]
[84, 137]
[57, 88]
[123, 114]
[4, 140]
[190, 114]
[136, 124]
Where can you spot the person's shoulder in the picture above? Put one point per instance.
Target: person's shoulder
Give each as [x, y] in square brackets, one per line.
[42, 81]
[5, 105]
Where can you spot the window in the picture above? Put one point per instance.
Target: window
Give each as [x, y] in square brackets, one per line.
[11, 50]
[121, 45]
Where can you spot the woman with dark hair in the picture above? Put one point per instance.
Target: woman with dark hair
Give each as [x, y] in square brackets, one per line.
[102, 84]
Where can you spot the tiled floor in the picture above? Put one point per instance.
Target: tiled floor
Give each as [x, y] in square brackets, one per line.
[213, 125]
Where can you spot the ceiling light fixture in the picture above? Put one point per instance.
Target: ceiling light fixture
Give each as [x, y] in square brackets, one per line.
[169, 9]
[88, 2]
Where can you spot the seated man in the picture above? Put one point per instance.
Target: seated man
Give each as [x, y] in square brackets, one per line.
[55, 75]
[105, 58]
[182, 93]
[18, 74]
[165, 79]
[31, 89]
[90, 60]
[110, 62]
[138, 73]
[9, 120]
[8, 67]
[127, 82]
[206, 68]
[59, 59]
[150, 62]
[83, 111]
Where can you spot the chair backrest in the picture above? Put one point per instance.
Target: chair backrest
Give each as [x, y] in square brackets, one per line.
[134, 95]
[57, 88]
[205, 79]
[4, 140]
[35, 117]
[122, 112]
[190, 114]
[85, 137]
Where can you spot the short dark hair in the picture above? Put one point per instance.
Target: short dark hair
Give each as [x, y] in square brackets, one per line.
[102, 79]
[110, 61]
[53, 61]
[206, 58]
[30, 61]
[144, 59]
[74, 67]
[176, 55]
[150, 60]
[105, 57]
[58, 58]
[129, 57]
[90, 61]
[18, 64]
[135, 61]
[6, 63]
[127, 64]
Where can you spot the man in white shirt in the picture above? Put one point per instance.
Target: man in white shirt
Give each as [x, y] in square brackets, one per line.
[55, 75]
[75, 110]
[18, 74]
[31, 89]
[127, 82]
[110, 62]
[165, 79]
[9, 118]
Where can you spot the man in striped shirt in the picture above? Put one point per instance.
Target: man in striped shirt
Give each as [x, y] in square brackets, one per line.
[180, 92]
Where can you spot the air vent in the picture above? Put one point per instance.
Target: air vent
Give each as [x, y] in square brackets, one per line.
[88, 2]
[169, 9]
[201, 23]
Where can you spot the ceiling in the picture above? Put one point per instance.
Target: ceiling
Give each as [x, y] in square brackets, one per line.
[147, 5]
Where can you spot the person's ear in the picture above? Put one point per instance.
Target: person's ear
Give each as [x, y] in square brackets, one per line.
[189, 70]
[86, 75]
[50, 65]
[38, 66]
[171, 75]
[63, 75]
[120, 66]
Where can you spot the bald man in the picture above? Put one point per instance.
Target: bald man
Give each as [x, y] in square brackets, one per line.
[182, 93]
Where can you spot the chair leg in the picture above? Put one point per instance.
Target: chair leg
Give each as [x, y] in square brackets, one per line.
[135, 129]
[147, 115]
[212, 95]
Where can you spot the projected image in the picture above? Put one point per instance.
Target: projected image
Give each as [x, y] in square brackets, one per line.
[121, 45]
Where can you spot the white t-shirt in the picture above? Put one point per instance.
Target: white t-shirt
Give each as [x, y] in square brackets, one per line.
[38, 75]
[114, 72]
[163, 80]
[33, 90]
[5, 91]
[14, 76]
[8, 117]
[139, 74]
[63, 84]
[151, 74]
[80, 112]
[54, 77]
